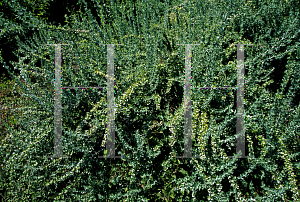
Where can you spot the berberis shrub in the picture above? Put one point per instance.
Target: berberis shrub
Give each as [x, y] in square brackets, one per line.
[149, 70]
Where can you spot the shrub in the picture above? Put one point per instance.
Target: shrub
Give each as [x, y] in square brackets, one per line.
[149, 111]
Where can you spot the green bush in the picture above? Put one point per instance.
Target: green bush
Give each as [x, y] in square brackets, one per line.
[149, 113]
[10, 103]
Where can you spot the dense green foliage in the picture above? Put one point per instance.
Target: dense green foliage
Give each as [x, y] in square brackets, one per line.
[149, 81]
[8, 97]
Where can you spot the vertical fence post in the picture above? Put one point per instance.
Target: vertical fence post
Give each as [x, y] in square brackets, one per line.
[188, 103]
[110, 145]
[57, 108]
[240, 123]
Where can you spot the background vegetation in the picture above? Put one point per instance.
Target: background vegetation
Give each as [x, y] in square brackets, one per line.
[149, 81]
